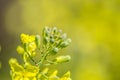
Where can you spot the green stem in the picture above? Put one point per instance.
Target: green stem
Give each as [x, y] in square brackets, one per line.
[45, 76]
[42, 59]
[51, 62]
[31, 57]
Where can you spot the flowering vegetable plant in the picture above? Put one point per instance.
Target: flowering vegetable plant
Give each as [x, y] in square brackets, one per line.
[49, 44]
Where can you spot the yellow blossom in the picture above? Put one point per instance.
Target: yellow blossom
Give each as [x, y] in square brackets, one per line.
[32, 46]
[27, 38]
[20, 50]
[19, 72]
[66, 76]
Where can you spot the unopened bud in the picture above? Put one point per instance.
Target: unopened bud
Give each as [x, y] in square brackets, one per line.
[45, 71]
[26, 47]
[65, 43]
[54, 30]
[20, 50]
[54, 51]
[46, 40]
[62, 59]
[66, 76]
[37, 40]
[60, 31]
[46, 32]
[32, 46]
[53, 76]
[63, 36]
[12, 61]
[52, 40]
[15, 65]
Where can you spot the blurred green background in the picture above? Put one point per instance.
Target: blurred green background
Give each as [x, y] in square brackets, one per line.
[93, 25]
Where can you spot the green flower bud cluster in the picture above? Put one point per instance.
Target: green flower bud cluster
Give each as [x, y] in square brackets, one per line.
[49, 44]
[54, 39]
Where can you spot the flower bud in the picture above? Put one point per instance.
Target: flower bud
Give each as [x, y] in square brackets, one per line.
[12, 60]
[37, 40]
[65, 43]
[26, 47]
[46, 32]
[63, 36]
[52, 41]
[51, 36]
[45, 71]
[66, 76]
[20, 50]
[25, 38]
[54, 30]
[15, 66]
[62, 59]
[60, 31]
[32, 46]
[46, 40]
[53, 76]
[54, 51]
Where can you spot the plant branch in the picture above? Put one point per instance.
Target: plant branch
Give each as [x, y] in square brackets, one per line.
[31, 57]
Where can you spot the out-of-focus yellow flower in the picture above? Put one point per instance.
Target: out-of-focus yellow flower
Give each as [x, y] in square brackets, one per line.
[27, 38]
[66, 76]
[29, 44]
[20, 50]
[32, 46]
[28, 72]
[54, 76]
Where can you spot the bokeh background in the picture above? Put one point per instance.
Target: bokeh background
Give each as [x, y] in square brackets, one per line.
[93, 25]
